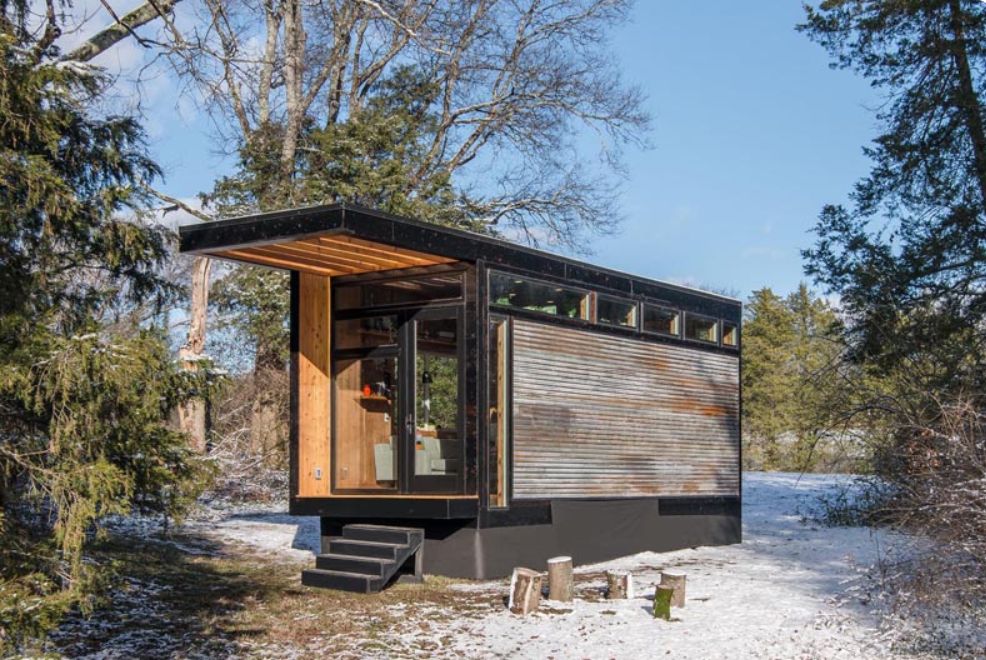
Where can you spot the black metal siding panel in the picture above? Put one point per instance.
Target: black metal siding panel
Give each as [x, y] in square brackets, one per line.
[599, 415]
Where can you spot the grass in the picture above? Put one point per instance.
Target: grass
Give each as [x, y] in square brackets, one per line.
[185, 597]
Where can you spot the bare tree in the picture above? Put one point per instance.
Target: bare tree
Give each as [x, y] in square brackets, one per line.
[513, 84]
[516, 80]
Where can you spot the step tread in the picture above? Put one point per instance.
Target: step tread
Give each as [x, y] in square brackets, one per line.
[337, 555]
[384, 527]
[348, 574]
[375, 544]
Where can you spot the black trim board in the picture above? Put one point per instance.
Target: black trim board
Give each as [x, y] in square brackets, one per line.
[367, 508]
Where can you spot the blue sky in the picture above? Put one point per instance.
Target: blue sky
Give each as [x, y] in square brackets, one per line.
[752, 134]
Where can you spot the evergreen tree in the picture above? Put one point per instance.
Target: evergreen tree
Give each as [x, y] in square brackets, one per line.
[908, 258]
[790, 349]
[85, 391]
[768, 379]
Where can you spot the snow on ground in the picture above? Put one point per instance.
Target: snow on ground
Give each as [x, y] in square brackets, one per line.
[778, 594]
[784, 592]
[264, 528]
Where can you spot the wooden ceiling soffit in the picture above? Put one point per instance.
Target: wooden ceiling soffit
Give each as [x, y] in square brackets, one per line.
[331, 255]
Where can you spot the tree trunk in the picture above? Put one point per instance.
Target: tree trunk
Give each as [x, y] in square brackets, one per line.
[619, 585]
[676, 582]
[192, 414]
[560, 584]
[269, 383]
[662, 602]
[265, 422]
[294, 55]
[968, 99]
[525, 591]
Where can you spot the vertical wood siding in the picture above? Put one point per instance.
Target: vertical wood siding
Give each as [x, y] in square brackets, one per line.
[603, 416]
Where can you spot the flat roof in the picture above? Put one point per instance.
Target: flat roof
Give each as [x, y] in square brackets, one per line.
[341, 239]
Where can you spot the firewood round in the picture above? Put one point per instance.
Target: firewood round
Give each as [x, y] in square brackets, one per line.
[619, 585]
[560, 581]
[675, 581]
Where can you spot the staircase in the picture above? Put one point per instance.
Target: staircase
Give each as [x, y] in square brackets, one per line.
[366, 558]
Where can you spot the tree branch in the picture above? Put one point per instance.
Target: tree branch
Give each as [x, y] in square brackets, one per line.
[110, 35]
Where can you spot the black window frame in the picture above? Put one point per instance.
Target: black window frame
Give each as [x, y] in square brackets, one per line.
[372, 278]
[667, 308]
[722, 334]
[586, 293]
[616, 299]
[703, 342]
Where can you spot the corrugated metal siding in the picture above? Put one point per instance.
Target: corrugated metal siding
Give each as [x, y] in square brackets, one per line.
[600, 415]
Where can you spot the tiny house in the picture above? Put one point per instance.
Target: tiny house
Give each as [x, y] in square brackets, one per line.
[463, 405]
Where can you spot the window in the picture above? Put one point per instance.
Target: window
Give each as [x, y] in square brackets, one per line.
[661, 321]
[367, 332]
[512, 291]
[613, 311]
[405, 291]
[499, 416]
[730, 334]
[701, 328]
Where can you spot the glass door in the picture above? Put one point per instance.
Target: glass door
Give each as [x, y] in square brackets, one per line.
[398, 401]
[435, 430]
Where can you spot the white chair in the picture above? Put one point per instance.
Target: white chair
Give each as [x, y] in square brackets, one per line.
[383, 460]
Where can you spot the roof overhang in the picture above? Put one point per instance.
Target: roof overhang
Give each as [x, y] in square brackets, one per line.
[341, 239]
[322, 243]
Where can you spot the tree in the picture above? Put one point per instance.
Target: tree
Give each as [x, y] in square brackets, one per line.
[86, 382]
[768, 380]
[790, 352]
[908, 258]
[462, 113]
[507, 84]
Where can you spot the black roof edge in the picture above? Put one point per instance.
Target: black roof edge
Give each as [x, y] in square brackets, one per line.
[292, 223]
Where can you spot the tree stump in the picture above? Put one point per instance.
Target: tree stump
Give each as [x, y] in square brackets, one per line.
[560, 584]
[525, 591]
[619, 585]
[662, 602]
[675, 581]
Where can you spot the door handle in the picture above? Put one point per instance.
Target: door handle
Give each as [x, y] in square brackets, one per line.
[409, 425]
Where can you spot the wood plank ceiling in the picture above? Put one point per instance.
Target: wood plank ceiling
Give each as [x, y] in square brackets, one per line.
[332, 255]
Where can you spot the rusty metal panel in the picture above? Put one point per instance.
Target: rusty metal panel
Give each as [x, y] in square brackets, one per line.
[597, 415]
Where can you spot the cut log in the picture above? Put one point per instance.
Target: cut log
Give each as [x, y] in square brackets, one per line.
[662, 602]
[619, 585]
[675, 581]
[560, 585]
[525, 591]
